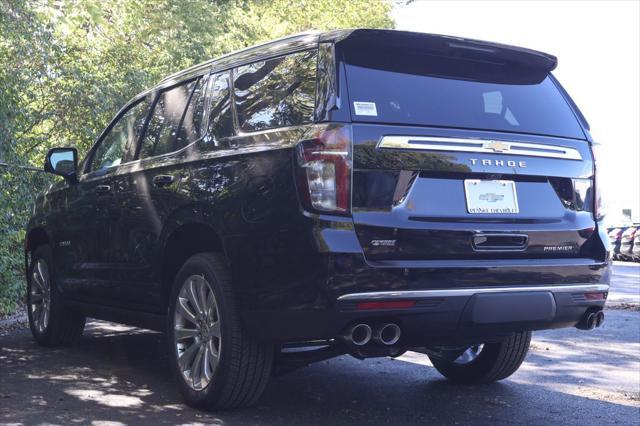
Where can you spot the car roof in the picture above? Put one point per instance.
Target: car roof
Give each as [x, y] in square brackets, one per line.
[276, 47]
[362, 37]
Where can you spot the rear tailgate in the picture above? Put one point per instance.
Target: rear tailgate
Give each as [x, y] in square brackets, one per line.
[463, 151]
[412, 203]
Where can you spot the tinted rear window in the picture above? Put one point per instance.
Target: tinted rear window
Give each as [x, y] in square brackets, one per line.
[421, 89]
[220, 120]
[278, 92]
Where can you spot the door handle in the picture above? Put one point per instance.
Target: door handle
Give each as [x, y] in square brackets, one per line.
[102, 189]
[163, 180]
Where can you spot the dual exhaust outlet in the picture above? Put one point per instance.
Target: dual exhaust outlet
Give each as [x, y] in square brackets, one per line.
[386, 334]
[591, 320]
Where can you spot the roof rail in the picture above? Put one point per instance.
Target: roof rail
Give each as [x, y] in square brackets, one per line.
[235, 52]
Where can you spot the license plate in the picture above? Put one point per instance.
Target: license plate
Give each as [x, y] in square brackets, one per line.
[491, 196]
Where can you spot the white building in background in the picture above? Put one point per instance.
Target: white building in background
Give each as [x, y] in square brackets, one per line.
[621, 213]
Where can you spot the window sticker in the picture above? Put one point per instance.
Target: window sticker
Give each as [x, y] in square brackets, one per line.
[365, 108]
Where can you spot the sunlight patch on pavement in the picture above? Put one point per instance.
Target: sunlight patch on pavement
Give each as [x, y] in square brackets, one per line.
[110, 400]
[415, 358]
[141, 392]
[581, 350]
[61, 377]
[586, 390]
[175, 407]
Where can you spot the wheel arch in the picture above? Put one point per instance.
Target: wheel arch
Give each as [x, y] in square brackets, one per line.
[180, 242]
[35, 238]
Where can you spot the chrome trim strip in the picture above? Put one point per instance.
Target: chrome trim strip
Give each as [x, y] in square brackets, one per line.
[422, 294]
[483, 146]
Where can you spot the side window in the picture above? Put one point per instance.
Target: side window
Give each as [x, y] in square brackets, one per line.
[220, 120]
[122, 135]
[276, 93]
[190, 129]
[162, 131]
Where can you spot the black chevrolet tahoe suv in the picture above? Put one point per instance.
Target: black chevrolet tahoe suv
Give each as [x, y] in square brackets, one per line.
[360, 192]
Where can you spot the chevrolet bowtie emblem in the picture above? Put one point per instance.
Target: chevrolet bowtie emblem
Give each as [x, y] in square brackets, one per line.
[491, 197]
[497, 146]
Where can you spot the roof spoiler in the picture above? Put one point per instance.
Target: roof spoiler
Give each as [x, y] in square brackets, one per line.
[445, 46]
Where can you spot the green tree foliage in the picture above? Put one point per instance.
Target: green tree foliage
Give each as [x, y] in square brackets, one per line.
[68, 65]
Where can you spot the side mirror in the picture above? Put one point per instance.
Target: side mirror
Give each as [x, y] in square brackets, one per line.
[62, 162]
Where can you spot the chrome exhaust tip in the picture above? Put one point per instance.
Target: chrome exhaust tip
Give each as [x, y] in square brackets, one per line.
[387, 334]
[591, 321]
[358, 334]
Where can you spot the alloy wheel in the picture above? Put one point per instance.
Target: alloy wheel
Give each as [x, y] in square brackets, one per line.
[196, 332]
[40, 296]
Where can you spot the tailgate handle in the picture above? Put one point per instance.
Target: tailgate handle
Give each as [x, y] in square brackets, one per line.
[499, 242]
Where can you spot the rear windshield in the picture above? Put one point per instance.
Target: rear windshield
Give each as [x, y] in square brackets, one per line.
[417, 88]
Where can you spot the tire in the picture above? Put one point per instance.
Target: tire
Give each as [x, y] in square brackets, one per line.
[55, 325]
[496, 361]
[239, 367]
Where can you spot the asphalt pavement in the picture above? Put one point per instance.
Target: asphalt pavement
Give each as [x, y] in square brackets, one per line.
[120, 375]
[625, 286]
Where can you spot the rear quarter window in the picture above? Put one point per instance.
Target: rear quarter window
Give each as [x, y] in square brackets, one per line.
[277, 92]
[220, 118]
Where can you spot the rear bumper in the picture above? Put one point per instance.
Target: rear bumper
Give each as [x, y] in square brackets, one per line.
[440, 317]
[459, 315]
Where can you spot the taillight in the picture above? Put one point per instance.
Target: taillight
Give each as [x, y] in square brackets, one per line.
[583, 194]
[599, 207]
[324, 172]
[595, 296]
